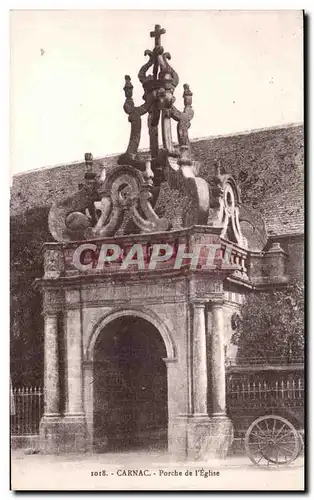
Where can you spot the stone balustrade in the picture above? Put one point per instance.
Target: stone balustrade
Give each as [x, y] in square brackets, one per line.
[255, 269]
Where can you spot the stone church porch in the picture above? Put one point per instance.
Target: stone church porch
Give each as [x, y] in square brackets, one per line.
[181, 312]
[109, 385]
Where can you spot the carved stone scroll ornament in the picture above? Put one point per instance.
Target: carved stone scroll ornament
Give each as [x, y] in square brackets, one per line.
[69, 218]
[101, 210]
[225, 208]
[127, 192]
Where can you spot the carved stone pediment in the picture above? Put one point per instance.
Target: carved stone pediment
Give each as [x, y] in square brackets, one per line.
[126, 195]
[225, 208]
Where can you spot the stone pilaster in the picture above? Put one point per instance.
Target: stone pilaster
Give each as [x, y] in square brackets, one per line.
[74, 363]
[177, 404]
[75, 430]
[51, 365]
[199, 360]
[49, 425]
[220, 436]
[197, 423]
[218, 373]
[89, 402]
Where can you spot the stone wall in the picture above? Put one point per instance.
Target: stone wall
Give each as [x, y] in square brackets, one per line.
[267, 163]
[294, 246]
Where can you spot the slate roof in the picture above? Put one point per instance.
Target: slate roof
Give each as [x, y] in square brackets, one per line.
[267, 163]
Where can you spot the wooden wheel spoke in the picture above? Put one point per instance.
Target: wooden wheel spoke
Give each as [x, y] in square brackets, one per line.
[261, 447]
[263, 453]
[285, 448]
[263, 438]
[276, 456]
[260, 459]
[268, 454]
[286, 443]
[261, 430]
[283, 426]
[290, 433]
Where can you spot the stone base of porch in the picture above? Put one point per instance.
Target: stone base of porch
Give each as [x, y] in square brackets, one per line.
[208, 437]
[201, 438]
[213, 439]
[63, 435]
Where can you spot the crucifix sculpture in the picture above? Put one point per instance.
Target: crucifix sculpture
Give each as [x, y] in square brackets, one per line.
[157, 34]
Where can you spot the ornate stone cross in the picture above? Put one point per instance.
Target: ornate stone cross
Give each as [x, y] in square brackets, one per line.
[157, 34]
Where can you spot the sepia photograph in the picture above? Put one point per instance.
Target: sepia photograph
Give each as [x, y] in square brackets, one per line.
[157, 250]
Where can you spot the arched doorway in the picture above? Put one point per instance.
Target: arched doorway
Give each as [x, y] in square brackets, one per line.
[130, 386]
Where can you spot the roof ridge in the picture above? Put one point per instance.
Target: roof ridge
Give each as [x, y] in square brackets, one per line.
[100, 159]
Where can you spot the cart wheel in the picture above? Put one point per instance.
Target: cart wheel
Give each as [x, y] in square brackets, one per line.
[272, 440]
[301, 437]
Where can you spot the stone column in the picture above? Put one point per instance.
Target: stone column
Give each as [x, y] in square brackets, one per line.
[218, 361]
[75, 438]
[74, 364]
[199, 360]
[88, 373]
[49, 428]
[174, 404]
[51, 365]
[198, 423]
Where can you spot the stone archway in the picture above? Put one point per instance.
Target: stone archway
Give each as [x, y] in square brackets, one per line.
[129, 382]
[146, 314]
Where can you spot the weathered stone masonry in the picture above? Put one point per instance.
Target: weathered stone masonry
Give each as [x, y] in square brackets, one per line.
[191, 309]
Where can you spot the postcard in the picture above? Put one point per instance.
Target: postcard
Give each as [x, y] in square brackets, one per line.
[157, 240]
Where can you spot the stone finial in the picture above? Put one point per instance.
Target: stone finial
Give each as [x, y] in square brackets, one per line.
[158, 31]
[187, 95]
[88, 157]
[159, 86]
[88, 160]
[275, 247]
[128, 87]
[274, 262]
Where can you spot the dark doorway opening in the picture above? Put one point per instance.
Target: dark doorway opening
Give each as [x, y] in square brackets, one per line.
[130, 387]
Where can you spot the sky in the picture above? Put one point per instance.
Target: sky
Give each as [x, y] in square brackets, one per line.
[245, 69]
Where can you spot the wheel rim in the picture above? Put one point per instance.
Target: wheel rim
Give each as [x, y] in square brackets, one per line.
[272, 440]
